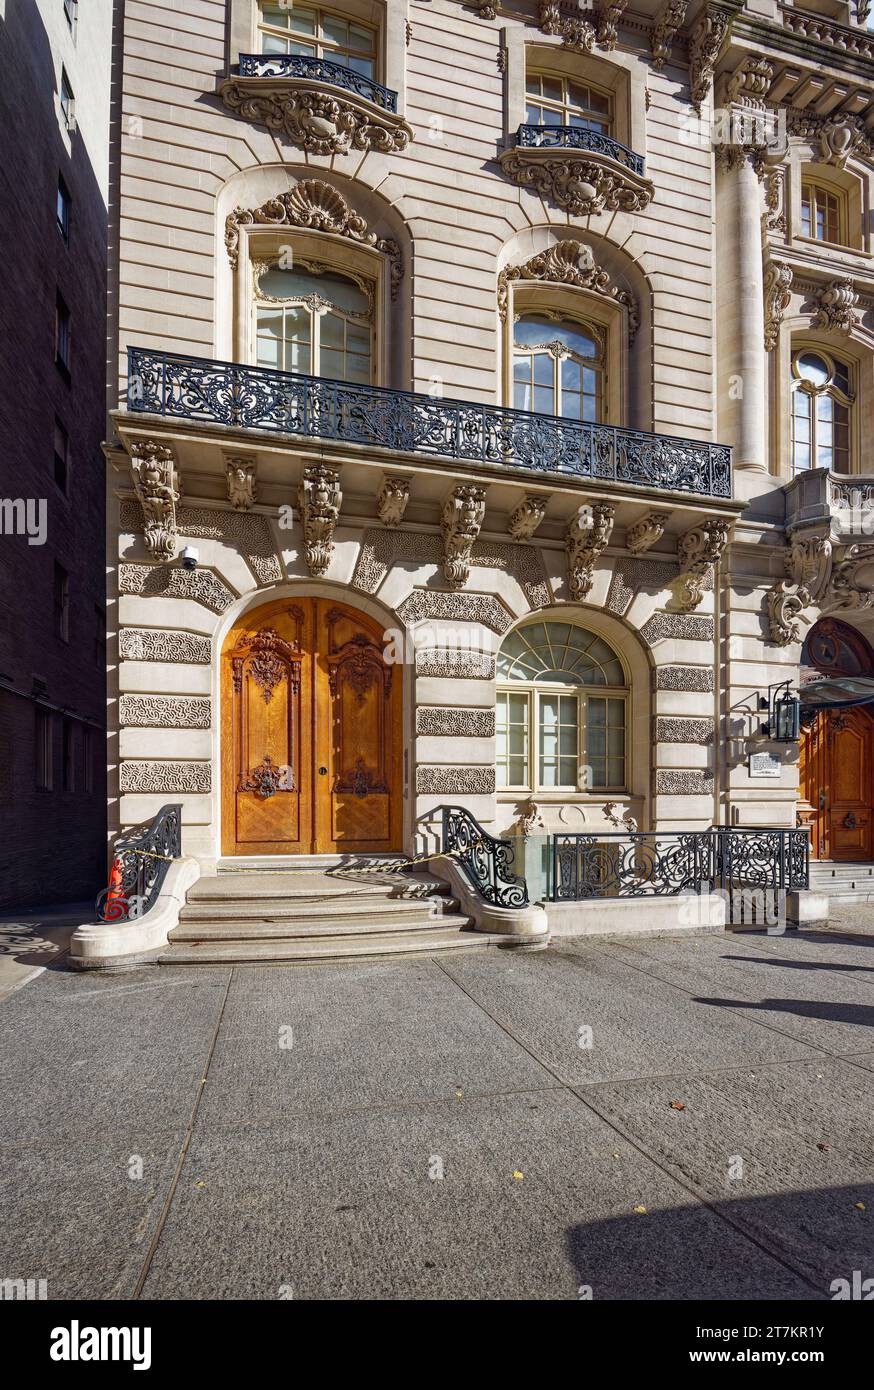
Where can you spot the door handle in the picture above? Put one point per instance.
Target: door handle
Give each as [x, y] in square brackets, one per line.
[323, 772]
[822, 801]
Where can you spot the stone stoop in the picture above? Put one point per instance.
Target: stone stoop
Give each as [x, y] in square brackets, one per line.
[848, 883]
[293, 916]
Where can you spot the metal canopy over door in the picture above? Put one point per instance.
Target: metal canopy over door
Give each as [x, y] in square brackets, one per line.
[311, 733]
[837, 780]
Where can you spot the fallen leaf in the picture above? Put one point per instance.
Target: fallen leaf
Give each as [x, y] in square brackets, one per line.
[860, 1206]
[824, 1148]
[518, 1176]
[677, 1105]
[200, 1183]
[458, 1095]
[641, 1211]
[615, 1155]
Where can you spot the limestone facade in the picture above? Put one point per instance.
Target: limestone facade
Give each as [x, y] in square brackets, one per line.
[680, 246]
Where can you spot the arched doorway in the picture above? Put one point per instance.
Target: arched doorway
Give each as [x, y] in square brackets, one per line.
[311, 733]
[836, 761]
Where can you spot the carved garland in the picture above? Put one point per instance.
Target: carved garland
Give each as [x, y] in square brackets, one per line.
[316, 206]
[567, 263]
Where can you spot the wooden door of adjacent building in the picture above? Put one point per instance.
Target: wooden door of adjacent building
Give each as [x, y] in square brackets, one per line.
[837, 782]
[311, 733]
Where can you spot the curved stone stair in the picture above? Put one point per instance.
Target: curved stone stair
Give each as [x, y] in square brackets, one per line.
[297, 916]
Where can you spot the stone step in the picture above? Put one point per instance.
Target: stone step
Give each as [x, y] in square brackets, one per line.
[297, 863]
[309, 928]
[304, 950]
[309, 887]
[313, 911]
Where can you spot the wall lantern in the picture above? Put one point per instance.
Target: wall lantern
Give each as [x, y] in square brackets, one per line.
[784, 713]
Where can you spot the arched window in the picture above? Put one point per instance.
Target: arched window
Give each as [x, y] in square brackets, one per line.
[821, 400]
[314, 321]
[823, 213]
[558, 367]
[311, 32]
[551, 99]
[561, 711]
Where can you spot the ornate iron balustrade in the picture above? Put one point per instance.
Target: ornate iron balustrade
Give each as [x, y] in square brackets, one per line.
[618, 864]
[144, 860]
[229, 393]
[486, 863]
[318, 70]
[571, 137]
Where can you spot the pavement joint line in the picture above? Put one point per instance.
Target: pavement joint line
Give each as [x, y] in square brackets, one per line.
[758, 1022]
[111, 991]
[678, 1179]
[183, 1152]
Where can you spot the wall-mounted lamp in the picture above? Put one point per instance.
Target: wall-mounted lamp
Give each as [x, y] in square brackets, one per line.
[784, 713]
[190, 557]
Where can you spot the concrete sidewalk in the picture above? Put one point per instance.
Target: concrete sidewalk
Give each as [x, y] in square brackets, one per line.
[669, 1119]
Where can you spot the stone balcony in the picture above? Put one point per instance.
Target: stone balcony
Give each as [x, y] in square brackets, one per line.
[836, 504]
[260, 401]
[323, 107]
[582, 171]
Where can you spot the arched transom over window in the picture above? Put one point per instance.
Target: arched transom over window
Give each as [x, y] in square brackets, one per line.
[314, 321]
[821, 400]
[561, 711]
[558, 367]
[312, 32]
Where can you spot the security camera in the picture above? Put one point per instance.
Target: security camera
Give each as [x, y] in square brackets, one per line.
[190, 556]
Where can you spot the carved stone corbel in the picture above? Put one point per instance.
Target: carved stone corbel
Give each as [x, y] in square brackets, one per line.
[392, 499]
[609, 14]
[707, 39]
[460, 523]
[646, 532]
[157, 487]
[778, 294]
[577, 34]
[587, 537]
[786, 603]
[241, 482]
[525, 519]
[849, 587]
[668, 25]
[698, 551]
[319, 498]
[837, 301]
[808, 563]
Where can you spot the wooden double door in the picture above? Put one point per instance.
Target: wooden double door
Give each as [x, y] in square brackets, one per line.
[837, 784]
[311, 733]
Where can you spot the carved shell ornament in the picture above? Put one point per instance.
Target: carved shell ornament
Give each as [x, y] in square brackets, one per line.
[568, 263]
[313, 205]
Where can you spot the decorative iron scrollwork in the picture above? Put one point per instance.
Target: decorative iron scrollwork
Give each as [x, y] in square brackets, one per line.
[405, 422]
[267, 779]
[486, 863]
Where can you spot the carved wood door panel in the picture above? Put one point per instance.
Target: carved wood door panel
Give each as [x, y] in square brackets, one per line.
[837, 780]
[311, 733]
[358, 735]
[850, 738]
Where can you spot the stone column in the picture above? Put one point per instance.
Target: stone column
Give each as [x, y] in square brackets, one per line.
[740, 309]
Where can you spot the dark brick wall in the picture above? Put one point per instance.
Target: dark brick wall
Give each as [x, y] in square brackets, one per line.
[52, 844]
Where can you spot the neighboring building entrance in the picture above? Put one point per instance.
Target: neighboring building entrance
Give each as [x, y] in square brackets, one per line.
[837, 782]
[311, 733]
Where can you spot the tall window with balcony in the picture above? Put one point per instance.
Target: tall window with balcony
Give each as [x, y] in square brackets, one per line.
[316, 322]
[561, 720]
[558, 367]
[822, 400]
[307, 32]
[553, 100]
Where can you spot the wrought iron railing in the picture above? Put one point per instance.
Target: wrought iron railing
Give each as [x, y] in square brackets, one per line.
[229, 393]
[144, 860]
[318, 70]
[618, 864]
[486, 863]
[571, 137]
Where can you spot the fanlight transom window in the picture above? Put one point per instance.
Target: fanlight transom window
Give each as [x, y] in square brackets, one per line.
[314, 321]
[558, 367]
[309, 32]
[821, 401]
[555, 100]
[561, 717]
